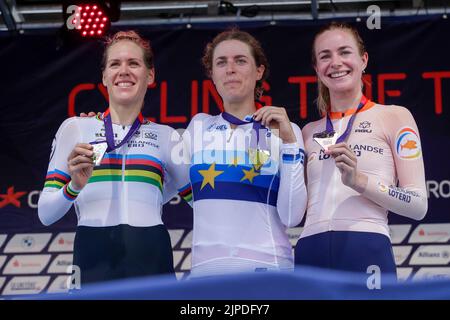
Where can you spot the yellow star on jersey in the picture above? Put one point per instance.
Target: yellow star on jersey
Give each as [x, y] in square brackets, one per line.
[235, 161]
[249, 174]
[209, 175]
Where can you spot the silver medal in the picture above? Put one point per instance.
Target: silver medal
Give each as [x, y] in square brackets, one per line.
[99, 151]
[325, 139]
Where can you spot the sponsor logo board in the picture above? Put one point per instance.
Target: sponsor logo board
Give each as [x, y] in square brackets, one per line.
[177, 256]
[26, 285]
[433, 232]
[175, 236]
[187, 241]
[61, 263]
[398, 232]
[26, 264]
[401, 253]
[404, 273]
[431, 255]
[59, 285]
[294, 235]
[63, 242]
[429, 273]
[27, 242]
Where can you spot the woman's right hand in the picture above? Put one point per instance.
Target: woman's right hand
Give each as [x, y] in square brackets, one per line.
[80, 164]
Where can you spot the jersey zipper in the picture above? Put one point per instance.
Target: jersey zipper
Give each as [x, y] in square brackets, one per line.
[123, 199]
[335, 183]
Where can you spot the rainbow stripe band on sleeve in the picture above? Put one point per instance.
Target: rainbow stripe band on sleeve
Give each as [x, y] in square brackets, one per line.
[186, 192]
[56, 179]
[69, 193]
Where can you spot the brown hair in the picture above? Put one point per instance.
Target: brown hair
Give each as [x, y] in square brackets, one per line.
[255, 49]
[133, 36]
[323, 99]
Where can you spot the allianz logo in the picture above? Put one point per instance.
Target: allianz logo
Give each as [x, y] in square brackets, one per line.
[424, 254]
[64, 263]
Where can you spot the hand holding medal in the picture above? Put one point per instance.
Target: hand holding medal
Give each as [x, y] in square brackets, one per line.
[276, 118]
[258, 151]
[273, 117]
[344, 157]
[325, 139]
[80, 164]
[347, 164]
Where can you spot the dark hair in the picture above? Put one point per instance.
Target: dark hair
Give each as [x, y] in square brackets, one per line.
[255, 49]
[323, 99]
[133, 36]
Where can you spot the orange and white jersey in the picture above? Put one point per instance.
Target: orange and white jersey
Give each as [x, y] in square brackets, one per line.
[386, 142]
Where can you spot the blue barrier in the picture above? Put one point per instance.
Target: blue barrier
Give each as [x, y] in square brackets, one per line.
[309, 284]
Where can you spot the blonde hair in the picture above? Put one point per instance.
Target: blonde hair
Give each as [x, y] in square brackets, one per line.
[133, 36]
[323, 99]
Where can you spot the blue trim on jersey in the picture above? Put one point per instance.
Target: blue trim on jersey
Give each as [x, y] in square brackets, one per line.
[238, 178]
[113, 156]
[234, 174]
[67, 197]
[185, 187]
[235, 191]
[61, 173]
[144, 156]
[231, 185]
[294, 158]
[291, 158]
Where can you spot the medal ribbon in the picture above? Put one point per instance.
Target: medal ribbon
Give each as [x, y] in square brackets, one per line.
[344, 136]
[256, 127]
[110, 133]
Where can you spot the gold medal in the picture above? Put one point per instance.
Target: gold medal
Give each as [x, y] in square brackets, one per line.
[258, 157]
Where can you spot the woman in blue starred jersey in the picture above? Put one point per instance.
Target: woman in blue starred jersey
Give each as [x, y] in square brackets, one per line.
[246, 176]
[246, 191]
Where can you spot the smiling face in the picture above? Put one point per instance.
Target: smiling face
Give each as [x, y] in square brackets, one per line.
[234, 71]
[126, 76]
[339, 62]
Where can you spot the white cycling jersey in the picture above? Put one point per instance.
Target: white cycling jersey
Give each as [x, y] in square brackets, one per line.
[242, 207]
[130, 185]
[386, 142]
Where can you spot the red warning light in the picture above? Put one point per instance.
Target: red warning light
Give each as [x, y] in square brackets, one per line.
[95, 16]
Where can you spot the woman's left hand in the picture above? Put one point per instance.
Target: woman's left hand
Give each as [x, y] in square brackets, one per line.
[276, 118]
[347, 164]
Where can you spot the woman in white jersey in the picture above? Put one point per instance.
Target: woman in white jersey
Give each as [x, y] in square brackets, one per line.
[117, 195]
[373, 164]
[247, 181]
